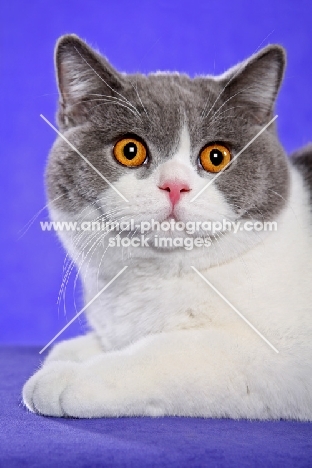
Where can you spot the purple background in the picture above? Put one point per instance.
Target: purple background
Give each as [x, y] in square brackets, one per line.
[31, 441]
[189, 36]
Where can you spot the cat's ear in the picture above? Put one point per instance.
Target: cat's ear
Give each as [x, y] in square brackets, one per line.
[82, 75]
[254, 83]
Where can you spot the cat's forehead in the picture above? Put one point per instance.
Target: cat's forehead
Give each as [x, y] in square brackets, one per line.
[166, 102]
[173, 88]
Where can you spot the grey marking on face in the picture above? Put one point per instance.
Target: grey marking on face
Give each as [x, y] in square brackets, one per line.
[98, 106]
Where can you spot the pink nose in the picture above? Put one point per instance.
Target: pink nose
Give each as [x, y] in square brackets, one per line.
[175, 189]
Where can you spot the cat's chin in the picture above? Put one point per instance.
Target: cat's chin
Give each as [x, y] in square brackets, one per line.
[187, 251]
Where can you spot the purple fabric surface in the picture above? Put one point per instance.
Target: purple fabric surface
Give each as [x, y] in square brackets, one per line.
[30, 440]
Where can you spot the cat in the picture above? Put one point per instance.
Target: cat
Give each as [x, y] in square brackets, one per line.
[162, 341]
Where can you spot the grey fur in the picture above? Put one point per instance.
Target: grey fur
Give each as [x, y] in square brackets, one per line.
[235, 108]
[302, 160]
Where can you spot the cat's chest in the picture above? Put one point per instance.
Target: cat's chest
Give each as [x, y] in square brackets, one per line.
[159, 304]
[166, 305]
[262, 285]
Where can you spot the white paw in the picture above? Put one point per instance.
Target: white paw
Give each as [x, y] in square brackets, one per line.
[64, 388]
[44, 391]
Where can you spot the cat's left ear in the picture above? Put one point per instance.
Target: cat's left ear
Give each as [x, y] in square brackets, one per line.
[254, 83]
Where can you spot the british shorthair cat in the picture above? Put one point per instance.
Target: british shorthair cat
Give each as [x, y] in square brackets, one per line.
[209, 322]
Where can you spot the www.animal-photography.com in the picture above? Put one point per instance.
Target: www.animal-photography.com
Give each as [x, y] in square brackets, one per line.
[156, 277]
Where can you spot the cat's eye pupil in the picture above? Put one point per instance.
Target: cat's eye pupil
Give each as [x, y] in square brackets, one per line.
[216, 157]
[130, 150]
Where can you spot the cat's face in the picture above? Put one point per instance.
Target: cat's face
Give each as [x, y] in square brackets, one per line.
[159, 139]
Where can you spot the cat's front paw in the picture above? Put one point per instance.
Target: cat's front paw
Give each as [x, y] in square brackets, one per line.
[43, 392]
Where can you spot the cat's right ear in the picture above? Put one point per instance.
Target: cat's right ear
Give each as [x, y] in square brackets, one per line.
[82, 75]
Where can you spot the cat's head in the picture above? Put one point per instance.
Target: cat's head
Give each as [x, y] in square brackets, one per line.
[159, 139]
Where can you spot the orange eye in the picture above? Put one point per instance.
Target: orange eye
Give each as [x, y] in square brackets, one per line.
[130, 152]
[214, 158]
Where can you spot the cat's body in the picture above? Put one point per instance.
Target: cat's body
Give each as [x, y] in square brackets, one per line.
[164, 342]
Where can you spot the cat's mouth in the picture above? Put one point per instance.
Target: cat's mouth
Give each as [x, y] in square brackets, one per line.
[173, 227]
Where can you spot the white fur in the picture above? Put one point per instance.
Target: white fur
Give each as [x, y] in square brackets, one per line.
[165, 343]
